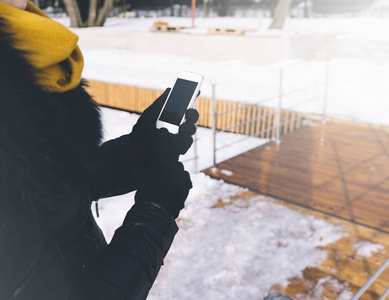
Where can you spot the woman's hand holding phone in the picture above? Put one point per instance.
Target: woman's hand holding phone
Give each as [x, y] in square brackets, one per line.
[162, 177]
[149, 138]
[181, 97]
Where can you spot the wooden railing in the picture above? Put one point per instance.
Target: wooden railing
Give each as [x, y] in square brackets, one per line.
[136, 99]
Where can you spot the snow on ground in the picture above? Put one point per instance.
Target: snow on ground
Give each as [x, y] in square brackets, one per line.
[365, 28]
[358, 89]
[240, 251]
[237, 252]
[332, 288]
[357, 50]
[365, 249]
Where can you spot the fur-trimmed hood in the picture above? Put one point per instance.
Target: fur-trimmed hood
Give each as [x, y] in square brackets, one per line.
[47, 140]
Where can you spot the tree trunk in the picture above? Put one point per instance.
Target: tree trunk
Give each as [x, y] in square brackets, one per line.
[171, 8]
[104, 12]
[92, 13]
[180, 10]
[96, 17]
[124, 7]
[206, 8]
[224, 8]
[307, 9]
[73, 12]
[281, 11]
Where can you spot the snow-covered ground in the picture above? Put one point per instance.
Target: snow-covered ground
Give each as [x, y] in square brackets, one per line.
[234, 252]
[358, 89]
[357, 50]
[241, 250]
[237, 252]
[225, 253]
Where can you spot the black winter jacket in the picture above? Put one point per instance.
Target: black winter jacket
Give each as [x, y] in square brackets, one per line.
[52, 166]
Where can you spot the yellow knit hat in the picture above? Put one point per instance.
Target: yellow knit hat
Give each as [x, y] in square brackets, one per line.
[50, 48]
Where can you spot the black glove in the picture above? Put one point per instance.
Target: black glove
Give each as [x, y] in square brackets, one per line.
[168, 185]
[146, 138]
[164, 180]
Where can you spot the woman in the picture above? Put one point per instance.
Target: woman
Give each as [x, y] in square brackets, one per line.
[53, 165]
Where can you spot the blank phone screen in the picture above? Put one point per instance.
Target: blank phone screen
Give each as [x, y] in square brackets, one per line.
[178, 101]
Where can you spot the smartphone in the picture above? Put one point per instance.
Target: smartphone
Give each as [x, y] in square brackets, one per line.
[181, 97]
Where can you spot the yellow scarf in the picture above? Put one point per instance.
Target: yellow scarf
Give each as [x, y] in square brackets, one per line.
[50, 48]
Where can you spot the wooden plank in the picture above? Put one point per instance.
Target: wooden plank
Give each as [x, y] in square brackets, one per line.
[249, 117]
[229, 122]
[259, 112]
[245, 127]
[223, 118]
[137, 99]
[337, 168]
[274, 124]
[204, 117]
[265, 111]
[207, 113]
[239, 119]
[286, 116]
[234, 117]
[166, 28]
[270, 123]
[292, 124]
[243, 119]
[218, 110]
[100, 92]
[228, 31]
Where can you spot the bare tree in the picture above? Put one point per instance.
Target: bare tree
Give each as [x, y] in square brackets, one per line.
[283, 8]
[207, 4]
[280, 12]
[223, 8]
[96, 15]
[307, 9]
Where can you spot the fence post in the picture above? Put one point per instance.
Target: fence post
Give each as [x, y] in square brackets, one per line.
[371, 280]
[278, 130]
[213, 122]
[324, 117]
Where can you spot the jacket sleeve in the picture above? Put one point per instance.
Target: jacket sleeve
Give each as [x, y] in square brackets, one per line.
[32, 265]
[128, 266]
[114, 170]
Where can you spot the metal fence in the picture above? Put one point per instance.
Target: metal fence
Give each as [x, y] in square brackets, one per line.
[279, 123]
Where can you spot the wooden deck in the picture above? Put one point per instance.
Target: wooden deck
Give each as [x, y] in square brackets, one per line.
[339, 168]
[338, 172]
